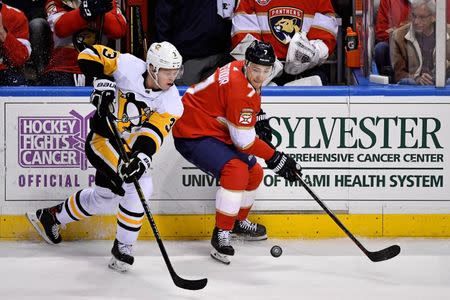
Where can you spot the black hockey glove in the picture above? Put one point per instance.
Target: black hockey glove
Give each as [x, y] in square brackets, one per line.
[90, 9]
[139, 163]
[103, 95]
[285, 166]
[262, 127]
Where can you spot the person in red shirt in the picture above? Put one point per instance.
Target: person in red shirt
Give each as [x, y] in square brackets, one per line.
[302, 33]
[15, 47]
[391, 14]
[40, 37]
[217, 134]
[71, 21]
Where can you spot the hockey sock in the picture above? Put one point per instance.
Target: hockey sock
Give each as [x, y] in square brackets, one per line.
[129, 223]
[88, 202]
[227, 207]
[255, 177]
[246, 205]
[72, 210]
[130, 215]
[234, 175]
[243, 213]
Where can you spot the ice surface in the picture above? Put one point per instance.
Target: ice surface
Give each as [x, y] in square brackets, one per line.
[308, 269]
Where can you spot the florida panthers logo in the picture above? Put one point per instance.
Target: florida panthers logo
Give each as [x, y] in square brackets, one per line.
[246, 116]
[285, 22]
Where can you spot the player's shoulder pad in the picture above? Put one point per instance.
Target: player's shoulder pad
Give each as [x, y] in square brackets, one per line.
[98, 51]
[237, 76]
[98, 57]
[129, 67]
[170, 101]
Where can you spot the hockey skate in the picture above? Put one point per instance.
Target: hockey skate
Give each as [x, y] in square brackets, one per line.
[122, 258]
[45, 222]
[222, 246]
[248, 231]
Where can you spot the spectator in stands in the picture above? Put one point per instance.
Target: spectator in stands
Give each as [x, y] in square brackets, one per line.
[391, 15]
[197, 30]
[86, 23]
[40, 35]
[15, 48]
[303, 34]
[413, 46]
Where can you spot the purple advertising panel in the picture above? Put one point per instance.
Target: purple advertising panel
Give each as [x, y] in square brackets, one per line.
[45, 156]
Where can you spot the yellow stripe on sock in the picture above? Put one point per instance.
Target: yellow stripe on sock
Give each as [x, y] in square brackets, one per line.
[128, 220]
[74, 209]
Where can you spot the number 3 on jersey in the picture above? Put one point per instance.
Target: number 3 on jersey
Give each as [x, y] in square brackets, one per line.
[169, 126]
[109, 53]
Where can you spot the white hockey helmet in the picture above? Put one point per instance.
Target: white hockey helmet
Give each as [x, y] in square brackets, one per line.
[163, 55]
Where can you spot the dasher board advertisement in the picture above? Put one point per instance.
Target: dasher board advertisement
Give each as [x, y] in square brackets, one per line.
[351, 148]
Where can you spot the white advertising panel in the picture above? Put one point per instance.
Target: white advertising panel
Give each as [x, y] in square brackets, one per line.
[353, 149]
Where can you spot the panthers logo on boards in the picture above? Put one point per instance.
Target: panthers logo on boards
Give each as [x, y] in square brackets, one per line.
[284, 22]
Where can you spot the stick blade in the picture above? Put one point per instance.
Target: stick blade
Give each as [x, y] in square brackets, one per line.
[190, 284]
[384, 254]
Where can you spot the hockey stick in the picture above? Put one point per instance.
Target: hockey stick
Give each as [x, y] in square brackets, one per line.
[142, 37]
[179, 282]
[102, 22]
[138, 39]
[132, 37]
[375, 256]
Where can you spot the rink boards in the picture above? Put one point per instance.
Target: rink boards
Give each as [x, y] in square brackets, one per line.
[377, 156]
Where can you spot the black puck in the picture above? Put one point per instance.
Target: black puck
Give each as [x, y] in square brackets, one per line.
[276, 251]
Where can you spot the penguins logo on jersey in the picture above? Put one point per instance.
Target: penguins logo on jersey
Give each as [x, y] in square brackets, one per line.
[133, 112]
[284, 22]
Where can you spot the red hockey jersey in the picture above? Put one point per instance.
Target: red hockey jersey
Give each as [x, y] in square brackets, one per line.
[65, 22]
[222, 103]
[276, 21]
[16, 49]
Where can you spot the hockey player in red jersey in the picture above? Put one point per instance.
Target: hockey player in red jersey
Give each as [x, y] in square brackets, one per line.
[69, 20]
[303, 33]
[15, 47]
[217, 134]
